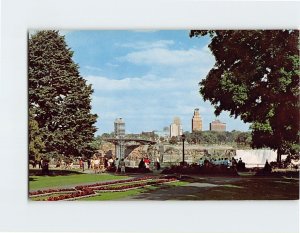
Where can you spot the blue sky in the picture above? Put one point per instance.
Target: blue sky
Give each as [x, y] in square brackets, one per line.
[145, 77]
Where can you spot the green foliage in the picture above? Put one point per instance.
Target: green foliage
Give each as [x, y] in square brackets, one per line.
[59, 97]
[39, 182]
[36, 145]
[213, 137]
[243, 138]
[256, 77]
[173, 140]
[96, 143]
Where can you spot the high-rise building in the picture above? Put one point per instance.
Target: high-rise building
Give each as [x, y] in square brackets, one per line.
[217, 125]
[196, 121]
[176, 127]
[177, 121]
[119, 127]
[174, 130]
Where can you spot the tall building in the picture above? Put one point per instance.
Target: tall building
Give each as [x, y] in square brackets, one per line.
[217, 125]
[174, 130]
[196, 121]
[176, 127]
[119, 127]
[177, 121]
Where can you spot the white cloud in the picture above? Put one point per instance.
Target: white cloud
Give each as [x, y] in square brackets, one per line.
[165, 56]
[147, 82]
[93, 68]
[140, 45]
[111, 64]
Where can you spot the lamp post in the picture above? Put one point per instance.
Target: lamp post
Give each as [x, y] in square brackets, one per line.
[183, 139]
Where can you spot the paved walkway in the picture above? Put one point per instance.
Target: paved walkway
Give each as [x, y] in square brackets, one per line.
[185, 192]
[189, 191]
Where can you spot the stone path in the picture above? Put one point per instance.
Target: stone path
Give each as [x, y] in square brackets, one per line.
[184, 192]
[189, 191]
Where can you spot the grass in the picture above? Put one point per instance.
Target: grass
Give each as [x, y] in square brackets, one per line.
[38, 182]
[113, 195]
[120, 195]
[177, 183]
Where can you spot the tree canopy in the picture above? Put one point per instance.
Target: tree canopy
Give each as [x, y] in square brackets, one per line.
[256, 77]
[213, 137]
[59, 98]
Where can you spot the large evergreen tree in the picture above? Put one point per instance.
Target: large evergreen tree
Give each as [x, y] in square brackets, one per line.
[59, 98]
[256, 77]
[36, 145]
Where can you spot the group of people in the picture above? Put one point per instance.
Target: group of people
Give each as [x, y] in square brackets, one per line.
[120, 165]
[145, 163]
[230, 163]
[99, 163]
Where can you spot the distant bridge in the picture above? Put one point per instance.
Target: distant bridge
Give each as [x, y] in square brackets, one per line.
[130, 141]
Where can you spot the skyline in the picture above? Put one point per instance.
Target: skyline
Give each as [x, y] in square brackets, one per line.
[145, 77]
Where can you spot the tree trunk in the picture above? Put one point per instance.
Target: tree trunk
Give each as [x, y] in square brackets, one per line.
[279, 153]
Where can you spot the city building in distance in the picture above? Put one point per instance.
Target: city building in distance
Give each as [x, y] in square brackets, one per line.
[218, 126]
[119, 127]
[176, 127]
[196, 121]
[165, 133]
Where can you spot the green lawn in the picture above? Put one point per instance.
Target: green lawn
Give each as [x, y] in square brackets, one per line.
[38, 182]
[120, 195]
[112, 195]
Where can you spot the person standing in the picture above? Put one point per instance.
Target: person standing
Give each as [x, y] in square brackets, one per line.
[40, 164]
[117, 165]
[89, 163]
[80, 163]
[142, 164]
[157, 164]
[110, 162]
[122, 165]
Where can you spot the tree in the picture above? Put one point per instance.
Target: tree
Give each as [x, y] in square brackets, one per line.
[173, 140]
[36, 144]
[96, 143]
[59, 98]
[256, 77]
[221, 137]
[243, 138]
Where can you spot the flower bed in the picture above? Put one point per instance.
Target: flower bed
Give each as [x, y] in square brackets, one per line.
[130, 186]
[50, 191]
[82, 193]
[116, 182]
[94, 189]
